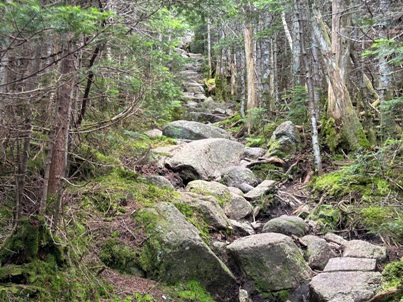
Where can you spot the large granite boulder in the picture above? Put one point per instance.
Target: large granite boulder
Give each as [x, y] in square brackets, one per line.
[236, 175]
[271, 261]
[204, 159]
[174, 252]
[287, 225]
[284, 141]
[318, 252]
[206, 208]
[193, 130]
[344, 286]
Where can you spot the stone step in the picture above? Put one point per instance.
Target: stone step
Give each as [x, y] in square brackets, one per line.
[350, 264]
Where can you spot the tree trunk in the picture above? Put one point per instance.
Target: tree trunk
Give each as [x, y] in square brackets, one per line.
[341, 47]
[385, 70]
[296, 49]
[250, 74]
[209, 47]
[342, 111]
[61, 129]
[308, 65]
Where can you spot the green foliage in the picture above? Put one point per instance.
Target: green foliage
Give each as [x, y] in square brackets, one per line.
[298, 107]
[32, 17]
[257, 118]
[256, 141]
[389, 48]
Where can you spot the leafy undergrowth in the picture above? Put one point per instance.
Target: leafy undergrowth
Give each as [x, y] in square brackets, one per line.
[365, 196]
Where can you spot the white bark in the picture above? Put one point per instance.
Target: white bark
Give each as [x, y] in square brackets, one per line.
[250, 72]
[209, 46]
[311, 94]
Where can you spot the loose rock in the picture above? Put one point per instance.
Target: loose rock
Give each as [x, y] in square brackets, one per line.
[287, 225]
[318, 251]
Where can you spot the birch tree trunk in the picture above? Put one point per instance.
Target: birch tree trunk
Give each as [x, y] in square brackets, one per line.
[341, 47]
[385, 70]
[342, 111]
[296, 50]
[308, 66]
[250, 74]
[209, 46]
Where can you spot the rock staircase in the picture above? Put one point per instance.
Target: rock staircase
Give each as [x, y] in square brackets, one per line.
[260, 260]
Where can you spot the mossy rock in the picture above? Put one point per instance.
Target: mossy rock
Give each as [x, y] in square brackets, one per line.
[175, 252]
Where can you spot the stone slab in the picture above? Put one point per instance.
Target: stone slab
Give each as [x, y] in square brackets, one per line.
[350, 264]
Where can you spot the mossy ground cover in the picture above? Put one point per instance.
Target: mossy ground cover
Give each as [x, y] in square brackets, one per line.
[367, 194]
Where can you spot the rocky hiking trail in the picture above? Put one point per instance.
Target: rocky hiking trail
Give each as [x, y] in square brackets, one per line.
[242, 237]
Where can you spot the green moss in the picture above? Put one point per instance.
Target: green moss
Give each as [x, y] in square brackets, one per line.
[392, 281]
[31, 240]
[330, 183]
[194, 218]
[193, 291]
[121, 186]
[121, 257]
[333, 137]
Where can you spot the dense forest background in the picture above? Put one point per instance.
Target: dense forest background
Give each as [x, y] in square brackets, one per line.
[81, 80]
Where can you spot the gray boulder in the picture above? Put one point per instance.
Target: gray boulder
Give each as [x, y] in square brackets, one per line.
[235, 206]
[262, 189]
[193, 130]
[204, 159]
[287, 225]
[209, 188]
[344, 286]
[235, 176]
[284, 141]
[238, 207]
[350, 264]
[271, 261]
[174, 252]
[207, 208]
[318, 252]
[364, 249]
